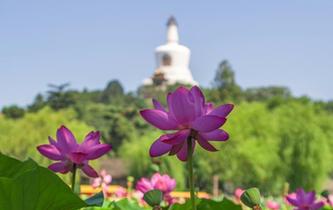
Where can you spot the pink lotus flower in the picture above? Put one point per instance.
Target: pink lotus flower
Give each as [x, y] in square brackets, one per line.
[121, 192]
[191, 117]
[164, 183]
[69, 153]
[144, 185]
[238, 193]
[330, 200]
[273, 205]
[103, 181]
[304, 200]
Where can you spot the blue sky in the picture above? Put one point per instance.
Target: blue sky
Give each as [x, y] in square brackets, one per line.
[88, 43]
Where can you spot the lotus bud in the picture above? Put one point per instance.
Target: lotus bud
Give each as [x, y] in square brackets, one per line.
[251, 198]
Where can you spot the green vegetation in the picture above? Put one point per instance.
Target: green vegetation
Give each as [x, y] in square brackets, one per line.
[135, 152]
[13, 112]
[26, 185]
[20, 137]
[275, 137]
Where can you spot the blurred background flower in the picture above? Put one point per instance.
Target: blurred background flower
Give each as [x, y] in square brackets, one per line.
[104, 180]
[304, 200]
[164, 183]
[272, 205]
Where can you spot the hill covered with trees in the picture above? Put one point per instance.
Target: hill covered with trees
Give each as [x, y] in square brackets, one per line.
[275, 137]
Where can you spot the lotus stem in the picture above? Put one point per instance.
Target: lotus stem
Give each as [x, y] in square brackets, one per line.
[190, 170]
[73, 177]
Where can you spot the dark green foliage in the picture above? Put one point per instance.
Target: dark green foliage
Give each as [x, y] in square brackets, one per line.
[205, 204]
[184, 206]
[225, 76]
[266, 93]
[125, 204]
[225, 86]
[95, 200]
[158, 92]
[115, 123]
[113, 93]
[25, 185]
[13, 112]
[59, 98]
[38, 104]
[225, 204]
[202, 204]
[328, 106]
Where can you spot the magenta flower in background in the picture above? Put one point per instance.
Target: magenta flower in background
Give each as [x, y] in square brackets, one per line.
[164, 183]
[290, 195]
[103, 181]
[273, 205]
[69, 153]
[190, 116]
[304, 200]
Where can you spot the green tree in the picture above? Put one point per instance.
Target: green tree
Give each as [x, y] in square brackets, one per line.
[113, 93]
[329, 106]
[110, 120]
[59, 97]
[225, 85]
[13, 112]
[304, 147]
[266, 93]
[291, 143]
[38, 104]
[249, 157]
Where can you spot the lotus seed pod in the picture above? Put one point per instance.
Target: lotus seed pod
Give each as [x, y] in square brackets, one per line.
[153, 198]
[325, 194]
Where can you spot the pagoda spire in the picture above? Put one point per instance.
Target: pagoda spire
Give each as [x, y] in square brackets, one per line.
[172, 30]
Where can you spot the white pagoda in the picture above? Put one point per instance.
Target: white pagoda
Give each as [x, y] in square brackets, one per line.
[172, 60]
